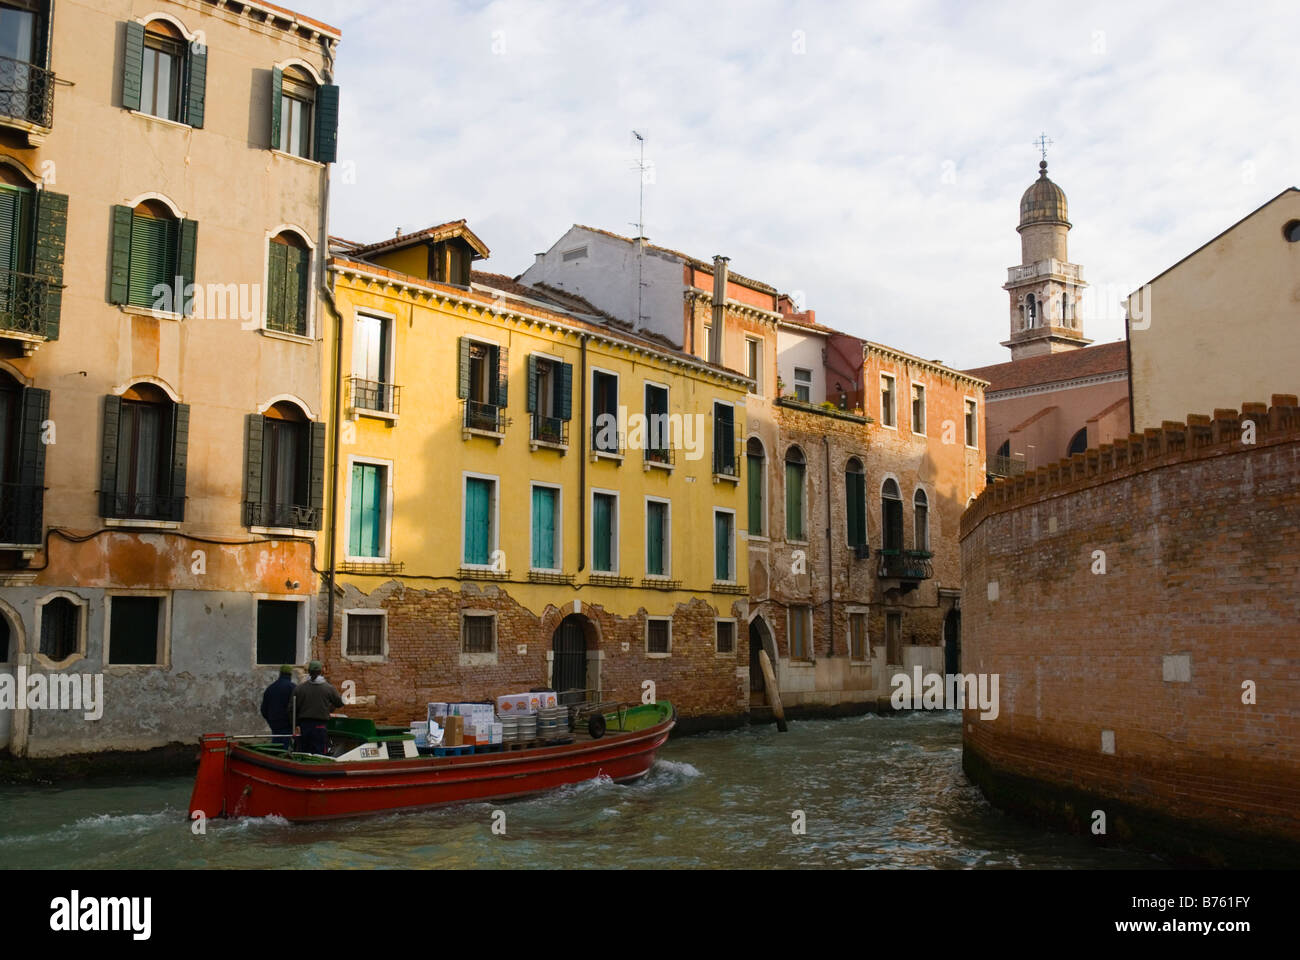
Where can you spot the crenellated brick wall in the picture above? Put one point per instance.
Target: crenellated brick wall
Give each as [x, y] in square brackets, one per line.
[1132, 599]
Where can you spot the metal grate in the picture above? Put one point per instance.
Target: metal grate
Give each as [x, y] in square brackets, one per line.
[26, 92]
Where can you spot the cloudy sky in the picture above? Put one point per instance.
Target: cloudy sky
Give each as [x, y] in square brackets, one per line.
[868, 155]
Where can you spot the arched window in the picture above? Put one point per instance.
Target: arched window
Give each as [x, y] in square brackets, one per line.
[60, 628]
[855, 502]
[921, 523]
[152, 247]
[284, 463]
[304, 115]
[163, 74]
[33, 226]
[1067, 310]
[756, 463]
[1078, 442]
[891, 516]
[145, 453]
[1031, 310]
[795, 469]
[288, 283]
[23, 413]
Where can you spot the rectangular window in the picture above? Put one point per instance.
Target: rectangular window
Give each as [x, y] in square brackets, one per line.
[800, 633]
[658, 428]
[754, 362]
[153, 262]
[371, 356]
[480, 520]
[857, 636]
[794, 475]
[726, 641]
[657, 538]
[478, 633]
[658, 635]
[894, 638]
[60, 628]
[134, 630]
[546, 512]
[972, 424]
[803, 384]
[482, 383]
[724, 440]
[277, 631]
[160, 88]
[297, 97]
[368, 520]
[887, 411]
[855, 503]
[604, 533]
[604, 413]
[708, 341]
[550, 398]
[756, 479]
[918, 408]
[365, 634]
[144, 457]
[724, 546]
[153, 258]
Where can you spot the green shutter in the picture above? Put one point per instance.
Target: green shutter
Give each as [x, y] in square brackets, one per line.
[462, 379]
[794, 501]
[153, 248]
[721, 546]
[195, 85]
[180, 458]
[276, 270]
[478, 520]
[11, 222]
[327, 123]
[366, 511]
[255, 426]
[566, 392]
[602, 534]
[316, 474]
[108, 459]
[29, 502]
[855, 495]
[501, 356]
[133, 66]
[531, 399]
[49, 241]
[544, 552]
[654, 536]
[755, 479]
[186, 249]
[297, 284]
[120, 274]
[277, 93]
[356, 511]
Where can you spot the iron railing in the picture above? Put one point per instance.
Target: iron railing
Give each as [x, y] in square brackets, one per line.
[604, 440]
[661, 455]
[483, 416]
[129, 506]
[906, 564]
[374, 395]
[22, 301]
[549, 430]
[725, 462]
[21, 513]
[291, 515]
[1005, 466]
[26, 92]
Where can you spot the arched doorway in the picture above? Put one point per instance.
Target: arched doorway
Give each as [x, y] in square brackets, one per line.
[952, 642]
[760, 637]
[569, 659]
[1078, 443]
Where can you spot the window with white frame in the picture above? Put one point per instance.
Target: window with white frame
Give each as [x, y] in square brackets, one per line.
[546, 528]
[279, 624]
[754, 362]
[724, 546]
[604, 531]
[972, 424]
[480, 534]
[658, 537]
[888, 413]
[918, 408]
[803, 384]
[369, 506]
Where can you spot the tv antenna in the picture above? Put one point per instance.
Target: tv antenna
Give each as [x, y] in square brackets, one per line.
[640, 167]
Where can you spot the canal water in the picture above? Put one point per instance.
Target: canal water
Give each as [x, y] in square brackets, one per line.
[872, 791]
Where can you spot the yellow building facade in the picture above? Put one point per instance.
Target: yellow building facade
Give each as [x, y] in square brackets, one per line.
[524, 494]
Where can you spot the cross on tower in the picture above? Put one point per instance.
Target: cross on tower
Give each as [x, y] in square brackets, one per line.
[1042, 143]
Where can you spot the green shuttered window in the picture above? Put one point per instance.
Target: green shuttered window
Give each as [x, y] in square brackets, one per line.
[145, 457]
[153, 260]
[755, 479]
[367, 520]
[656, 537]
[545, 511]
[33, 234]
[304, 115]
[163, 74]
[855, 502]
[794, 478]
[723, 524]
[288, 284]
[478, 520]
[604, 518]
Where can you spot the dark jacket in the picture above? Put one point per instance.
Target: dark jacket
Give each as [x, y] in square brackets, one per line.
[316, 700]
[275, 704]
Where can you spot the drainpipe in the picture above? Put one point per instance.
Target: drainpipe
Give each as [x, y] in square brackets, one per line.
[719, 305]
[582, 466]
[830, 563]
[336, 371]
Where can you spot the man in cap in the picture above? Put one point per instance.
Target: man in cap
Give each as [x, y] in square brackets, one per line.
[275, 707]
[313, 701]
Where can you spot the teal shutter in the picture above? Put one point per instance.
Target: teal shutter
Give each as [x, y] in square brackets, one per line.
[153, 249]
[755, 480]
[722, 546]
[180, 458]
[133, 66]
[108, 459]
[327, 123]
[277, 94]
[544, 528]
[462, 368]
[120, 273]
[316, 474]
[566, 392]
[254, 429]
[477, 520]
[356, 511]
[366, 509]
[602, 533]
[794, 501]
[530, 403]
[186, 249]
[48, 243]
[195, 86]
[654, 538]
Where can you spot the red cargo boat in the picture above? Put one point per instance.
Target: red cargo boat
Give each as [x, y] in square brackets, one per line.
[240, 779]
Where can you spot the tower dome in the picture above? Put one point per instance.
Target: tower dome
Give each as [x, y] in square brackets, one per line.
[1043, 202]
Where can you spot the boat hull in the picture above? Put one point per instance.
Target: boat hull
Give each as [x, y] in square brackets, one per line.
[235, 781]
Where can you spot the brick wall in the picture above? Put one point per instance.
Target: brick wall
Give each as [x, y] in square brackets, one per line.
[1201, 540]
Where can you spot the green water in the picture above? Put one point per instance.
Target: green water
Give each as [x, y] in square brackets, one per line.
[874, 792]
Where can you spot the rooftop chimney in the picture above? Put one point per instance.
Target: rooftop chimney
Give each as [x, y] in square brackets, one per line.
[719, 304]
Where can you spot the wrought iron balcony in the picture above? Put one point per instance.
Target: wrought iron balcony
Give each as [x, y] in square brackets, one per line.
[487, 417]
[662, 456]
[22, 302]
[1005, 466]
[21, 513]
[726, 463]
[129, 506]
[374, 395]
[550, 430]
[291, 515]
[607, 441]
[26, 92]
[906, 564]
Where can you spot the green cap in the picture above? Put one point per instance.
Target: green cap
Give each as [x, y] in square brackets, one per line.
[314, 665]
[285, 668]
